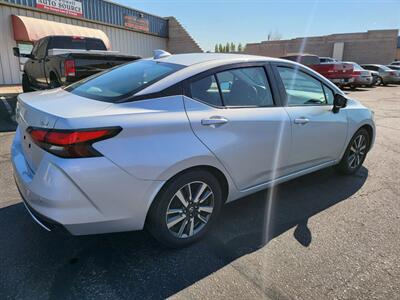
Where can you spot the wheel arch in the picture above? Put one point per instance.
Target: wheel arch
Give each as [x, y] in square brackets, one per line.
[221, 177]
[370, 131]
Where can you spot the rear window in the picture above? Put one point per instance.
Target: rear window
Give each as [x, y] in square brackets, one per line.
[305, 60]
[123, 81]
[67, 42]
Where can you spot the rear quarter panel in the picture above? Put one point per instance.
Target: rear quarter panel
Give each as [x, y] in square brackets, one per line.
[156, 141]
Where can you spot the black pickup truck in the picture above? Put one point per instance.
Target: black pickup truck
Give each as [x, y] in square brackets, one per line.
[60, 60]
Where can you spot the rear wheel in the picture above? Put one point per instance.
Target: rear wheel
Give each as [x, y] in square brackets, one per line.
[54, 82]
[185, 209]
[379, 81]
[26, 85]
[355, 153]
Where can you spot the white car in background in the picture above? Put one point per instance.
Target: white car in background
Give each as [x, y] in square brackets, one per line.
[165, 142]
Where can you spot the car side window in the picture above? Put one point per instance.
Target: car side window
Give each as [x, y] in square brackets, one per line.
[329, 95]
[41, 50]
[35, 48]
[301, 88]
[245, 87]
[206, 90]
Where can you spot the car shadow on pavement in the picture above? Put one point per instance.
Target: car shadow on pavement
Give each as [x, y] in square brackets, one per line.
[38, 264]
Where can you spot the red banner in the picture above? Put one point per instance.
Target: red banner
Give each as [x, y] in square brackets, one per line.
[136, 23]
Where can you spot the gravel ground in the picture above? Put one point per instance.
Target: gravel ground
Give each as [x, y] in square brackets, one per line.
[325, 236]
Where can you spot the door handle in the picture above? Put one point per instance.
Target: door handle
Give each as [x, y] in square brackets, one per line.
[217, 120]
[301, 121]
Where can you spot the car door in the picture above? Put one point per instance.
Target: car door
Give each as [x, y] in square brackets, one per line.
[37, 74]
[233, 112]
[318, 134]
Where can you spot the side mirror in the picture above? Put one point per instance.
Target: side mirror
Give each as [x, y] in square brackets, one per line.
[16, 52]
[339, 102]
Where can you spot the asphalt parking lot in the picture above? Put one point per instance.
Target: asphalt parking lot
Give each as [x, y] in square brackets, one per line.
[322, 236]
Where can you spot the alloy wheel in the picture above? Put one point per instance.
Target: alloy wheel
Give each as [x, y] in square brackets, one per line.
[357, 152]
[190, 209]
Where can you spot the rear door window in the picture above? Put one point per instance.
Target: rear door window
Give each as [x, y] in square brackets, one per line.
[206, 90]
[245, 87]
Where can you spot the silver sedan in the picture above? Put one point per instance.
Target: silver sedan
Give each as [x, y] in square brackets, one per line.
[165, 142]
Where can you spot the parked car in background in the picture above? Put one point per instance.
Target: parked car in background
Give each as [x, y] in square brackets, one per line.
[337, 72]
[177, 137]
[386, 75]
[395, 68]
[375, 76]
[395, 63]
[361, 76]
[61, 60]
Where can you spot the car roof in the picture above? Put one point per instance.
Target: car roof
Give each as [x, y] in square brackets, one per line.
[189, 59]
[196, 63]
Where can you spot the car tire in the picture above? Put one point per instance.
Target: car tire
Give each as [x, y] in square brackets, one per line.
[355, 153]
[379, 81]
[168, 208]
[54, 83]
[26, 85]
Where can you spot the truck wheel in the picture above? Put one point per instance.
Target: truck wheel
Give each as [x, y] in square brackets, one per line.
[54, 83]
[26, 85]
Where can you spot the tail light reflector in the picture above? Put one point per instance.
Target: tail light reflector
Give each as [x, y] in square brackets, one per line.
[356, 73]
[71, 143]
[69, 68]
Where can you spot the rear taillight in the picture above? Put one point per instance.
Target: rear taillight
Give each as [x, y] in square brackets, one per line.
[71, 143]
[392, 73]
[69, 68]
[356, 73]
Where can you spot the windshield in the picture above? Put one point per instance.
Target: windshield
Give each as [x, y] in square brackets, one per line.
[123, 81]
[357, 67]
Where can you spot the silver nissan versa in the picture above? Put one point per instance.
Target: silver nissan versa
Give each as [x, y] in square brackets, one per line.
[165, 142]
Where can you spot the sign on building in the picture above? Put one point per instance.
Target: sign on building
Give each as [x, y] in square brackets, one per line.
[66, 7]
[137, 23]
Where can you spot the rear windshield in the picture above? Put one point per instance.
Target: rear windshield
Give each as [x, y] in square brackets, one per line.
[123, 81]
[69, 42]
[305, 60]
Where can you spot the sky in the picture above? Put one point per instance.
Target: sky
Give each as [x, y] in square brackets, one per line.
[220, 21]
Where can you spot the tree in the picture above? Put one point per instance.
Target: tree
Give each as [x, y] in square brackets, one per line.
[274, 36]
[216, 48]
[220, 49]
[233, 47]
[240, 47]
[227, 47]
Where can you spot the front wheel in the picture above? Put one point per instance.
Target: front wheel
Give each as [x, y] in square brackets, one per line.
[355, 153]
[185, 209]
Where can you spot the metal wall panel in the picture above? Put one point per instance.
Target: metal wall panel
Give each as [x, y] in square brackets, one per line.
[125, 41]
[111, 13]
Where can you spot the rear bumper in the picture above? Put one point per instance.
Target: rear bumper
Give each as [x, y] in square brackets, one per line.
[362, 80]
[84, 196]
[342, 80]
